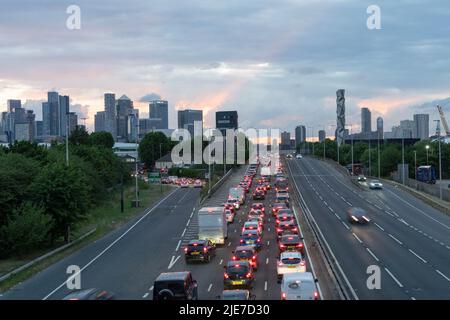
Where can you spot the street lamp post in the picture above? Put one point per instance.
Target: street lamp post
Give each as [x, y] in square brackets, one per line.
[379, 160]
[370, 164]
[415, 167]
[160, 175]
[403, 159]
[440, 158]
[427, 147]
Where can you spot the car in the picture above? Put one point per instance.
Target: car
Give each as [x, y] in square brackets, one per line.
[284, 215]
[261, 189]
[234, 202]
[357, 215]
[198, 183]
[361, 178]
[299, 286]
[199, 250]
[299, 156]
[251, 238]
[184, 184]
[278, 206]
[291, 242]
[244, 186]
[289, 262]
[257, 219]
[375, 184]
[258, 206]
[229, 206]
[229, 214]
[89, 294]
[236, 295]
[175, 286]
[246, 253]
[282, 198]
[287, 226]
[289, 156]
[238, 274]
[267, 185]
[251, 225]
[282, 192]
[259, 195]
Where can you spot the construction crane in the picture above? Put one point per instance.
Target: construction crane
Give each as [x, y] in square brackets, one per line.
[443, 121]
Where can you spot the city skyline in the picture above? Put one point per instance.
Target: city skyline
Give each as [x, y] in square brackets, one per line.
[218, 77]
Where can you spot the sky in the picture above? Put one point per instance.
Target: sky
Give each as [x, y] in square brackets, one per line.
[278, 63]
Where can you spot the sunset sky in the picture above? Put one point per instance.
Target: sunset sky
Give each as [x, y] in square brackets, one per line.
[279, 63]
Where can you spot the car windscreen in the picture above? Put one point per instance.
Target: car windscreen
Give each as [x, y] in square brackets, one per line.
[303, 286]
[240, 269]
[290, 239]
[251, 236]
[205, 220]
[291, 260]
[244, 254]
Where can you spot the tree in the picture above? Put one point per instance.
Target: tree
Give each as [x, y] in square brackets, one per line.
[64, 192]
[390, 157]
[149, 147]
[79, 136]
[27, 228]
[102, 138]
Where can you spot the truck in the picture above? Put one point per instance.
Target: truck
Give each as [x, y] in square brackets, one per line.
[237, 193]
[212, 224]
[266, 172]
[426, 174]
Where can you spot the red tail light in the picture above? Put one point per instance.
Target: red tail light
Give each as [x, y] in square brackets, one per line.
[185, 250]
[226, 276]
[279, 230]
[316, 295]
[259, 240]
[283, 296]
[241, 241]
[302, 263]
[254, 257]
[300, 245]
[295, 229]
[234, 258]
[249, 275]
[282, 245]
[205, 249]
[278, 221]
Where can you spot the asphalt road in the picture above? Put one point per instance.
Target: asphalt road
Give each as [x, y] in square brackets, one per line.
[407, 239]
[126, 261]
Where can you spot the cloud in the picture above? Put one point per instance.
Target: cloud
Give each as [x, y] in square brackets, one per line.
[150, 97]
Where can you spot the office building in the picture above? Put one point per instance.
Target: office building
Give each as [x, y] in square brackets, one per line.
[39, 129]
[54, 111]
[133, 124]
[285, 140]
[380, 128]
[99, 122]
[110, 114]
[186, 119]
[13, 104]
[149, 125]
[73, 121]
[159, 109]
[422, 126]
[64, 109]
[124, 105]
[322, 135]
[366, 120]
[300, 134]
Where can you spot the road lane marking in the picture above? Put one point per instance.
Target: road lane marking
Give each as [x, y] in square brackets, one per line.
[267, 260]
[325, 203]
[349, 203]
[188, 222]
[268, 242]
[359, 240]
[390, 235]
[378, 207]
[229, 243]
[448, 279]
[394, 278]
[210, 286]
[424, 261]
[184, 231]
[331, 209]
[221, 260]
[339, 218]
[268, 229]
[151, 288]
[265, 286]
[178, 245]
[345, 225]
[172, 262]
[372, 254]
[112, 243]
[379, 227]
[145, 295]
[404, 222]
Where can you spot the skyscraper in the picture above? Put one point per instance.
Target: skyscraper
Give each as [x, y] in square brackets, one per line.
[13, 104]
[422, 126]
[73, 121]
[300, 134]
[380, 128]
[64, 109]
[285, 140]
[110, 114]
[124, 104]
[159, 109]
[46, 119]
[133, 124]
[366, 120]
[99, 123]
[186, 119]
[54, 111]
[322, 135]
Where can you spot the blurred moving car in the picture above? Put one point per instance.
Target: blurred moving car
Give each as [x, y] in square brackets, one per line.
[290, 261]
[299, 156]
[299, 286]
[236, 295]
[199, 250]
[357, 215]
[361, 178]
[198, 183]
[375, 184]
[175, 286]
[89, 294]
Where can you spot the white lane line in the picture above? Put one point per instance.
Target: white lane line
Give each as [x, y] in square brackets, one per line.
[325, 203]
[404, 222]
[379, 227]
[112, 243]
[339, 218]
[359, 240]
[345, 225]
[389, 213]
[178, 245]
[349, 203]
[372, 254]
[268, 242]
[267, 260]
[229, 243]
[412, 298]
[390, 235]
[221, 260]
[424, 261]
[394, 278]
[210, 286]
[265, 286]
[447, 278]
[235, 230]
[188, 222]
[268, 229]
[331, 209]
[172, 262]
[184, 231]
[145, 295]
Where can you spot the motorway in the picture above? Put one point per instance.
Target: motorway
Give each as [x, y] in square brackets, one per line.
[407, 239]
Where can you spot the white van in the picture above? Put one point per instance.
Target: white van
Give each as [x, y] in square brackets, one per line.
[299, 286]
